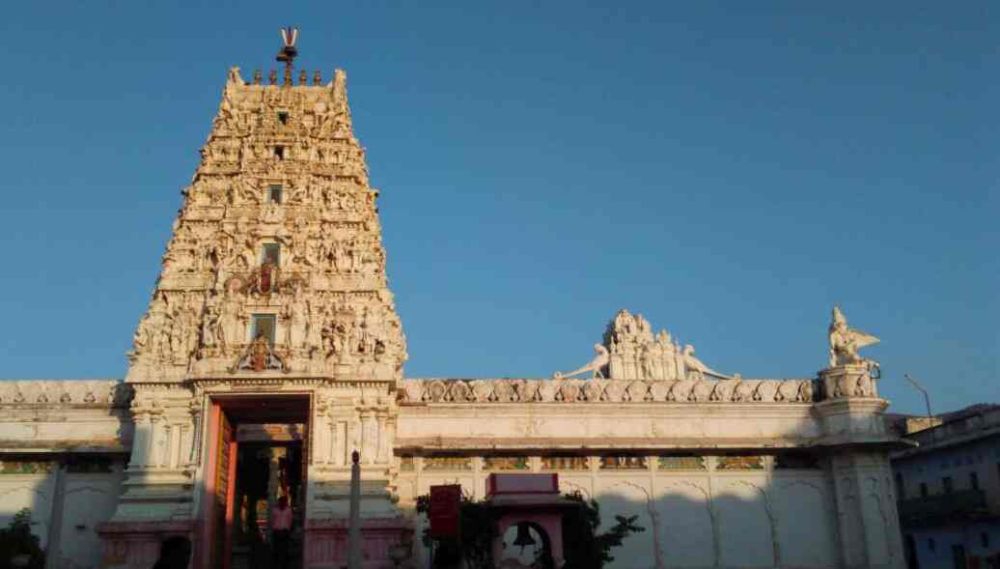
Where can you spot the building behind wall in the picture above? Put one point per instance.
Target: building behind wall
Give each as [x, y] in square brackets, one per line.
[949, 491]
[272, 317]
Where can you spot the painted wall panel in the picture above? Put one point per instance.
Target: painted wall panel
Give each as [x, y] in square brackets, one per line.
[686, 523]
[618, 497]
[805, 521]
[745, 525]
[32, 491]
[89, 499]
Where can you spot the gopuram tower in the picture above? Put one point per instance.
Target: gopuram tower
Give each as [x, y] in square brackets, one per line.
[272, 309]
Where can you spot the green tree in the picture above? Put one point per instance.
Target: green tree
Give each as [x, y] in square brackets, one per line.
[477, 526]
[17, 540]
[584, 547]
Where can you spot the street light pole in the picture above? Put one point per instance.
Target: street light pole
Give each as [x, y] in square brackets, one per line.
[927, 398]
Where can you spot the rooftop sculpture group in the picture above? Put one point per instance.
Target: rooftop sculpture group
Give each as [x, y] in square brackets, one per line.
[631, 351]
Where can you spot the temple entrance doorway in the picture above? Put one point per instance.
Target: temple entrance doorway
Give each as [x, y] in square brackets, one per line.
[259, 462]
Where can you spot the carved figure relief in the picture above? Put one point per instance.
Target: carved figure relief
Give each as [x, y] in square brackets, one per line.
[845, 342]
[631, 351]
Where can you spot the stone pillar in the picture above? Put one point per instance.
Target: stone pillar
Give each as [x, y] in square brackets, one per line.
[140, 439]
[853, 424]
[158, 490]
[382, 449]
[174, 447]
[319, 430]
[195, 434]
[157, 440]
[54, 539]
[354, 529]
[362, 418]
[368, 436]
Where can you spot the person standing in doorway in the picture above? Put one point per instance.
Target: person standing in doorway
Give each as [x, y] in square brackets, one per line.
[281, 532]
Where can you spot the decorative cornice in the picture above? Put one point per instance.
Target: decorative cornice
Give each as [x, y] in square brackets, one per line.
[505, 391]
[96, 393]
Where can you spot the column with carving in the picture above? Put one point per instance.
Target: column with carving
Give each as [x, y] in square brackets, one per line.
[158, 486]
[141, 411]
[159, 476]
[853, 423]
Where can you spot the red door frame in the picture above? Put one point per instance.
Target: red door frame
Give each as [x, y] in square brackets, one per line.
[204, 547]
[227, 548]
[206, 556]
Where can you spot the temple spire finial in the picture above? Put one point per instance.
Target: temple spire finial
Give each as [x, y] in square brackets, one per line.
[288, 51]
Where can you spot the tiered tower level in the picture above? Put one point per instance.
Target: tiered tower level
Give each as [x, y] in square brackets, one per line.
[276, 264]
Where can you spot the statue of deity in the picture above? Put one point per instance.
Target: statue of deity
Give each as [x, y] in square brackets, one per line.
[845, 342]
[260, 351]
[667, 355]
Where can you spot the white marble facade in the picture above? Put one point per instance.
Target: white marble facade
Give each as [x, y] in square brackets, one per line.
[274, 284]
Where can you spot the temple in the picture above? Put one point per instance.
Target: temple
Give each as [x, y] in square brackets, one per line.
[271, 350]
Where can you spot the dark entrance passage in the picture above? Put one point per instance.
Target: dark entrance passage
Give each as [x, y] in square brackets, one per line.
[267, 472]
[259, 461]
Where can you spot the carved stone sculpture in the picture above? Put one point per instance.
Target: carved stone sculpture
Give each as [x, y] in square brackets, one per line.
[634, 352]
[695, 366]
[845, 342]
[596, 365]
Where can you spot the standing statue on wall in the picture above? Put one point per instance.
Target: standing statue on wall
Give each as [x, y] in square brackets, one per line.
[259, 352]
[213, 332]
[335, 339]
[668, 355]
[845, 342]
[142, 337]
[297, 317]
[231, 325]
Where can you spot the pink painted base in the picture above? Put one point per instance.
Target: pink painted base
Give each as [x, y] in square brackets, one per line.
[136, 545]
[326, 542]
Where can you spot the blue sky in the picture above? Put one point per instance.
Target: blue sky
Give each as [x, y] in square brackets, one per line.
[728, 170]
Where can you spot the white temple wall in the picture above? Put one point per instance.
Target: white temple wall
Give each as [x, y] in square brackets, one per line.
[635, 425]
[713, 518]
[805, 520]
[686, 527]
[66, 506]
[32, 490]
[62, 449]
[89, 499]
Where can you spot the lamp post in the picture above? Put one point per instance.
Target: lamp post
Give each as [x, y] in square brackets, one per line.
[927, 397]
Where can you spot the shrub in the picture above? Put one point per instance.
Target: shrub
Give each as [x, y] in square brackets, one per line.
[17, 540]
